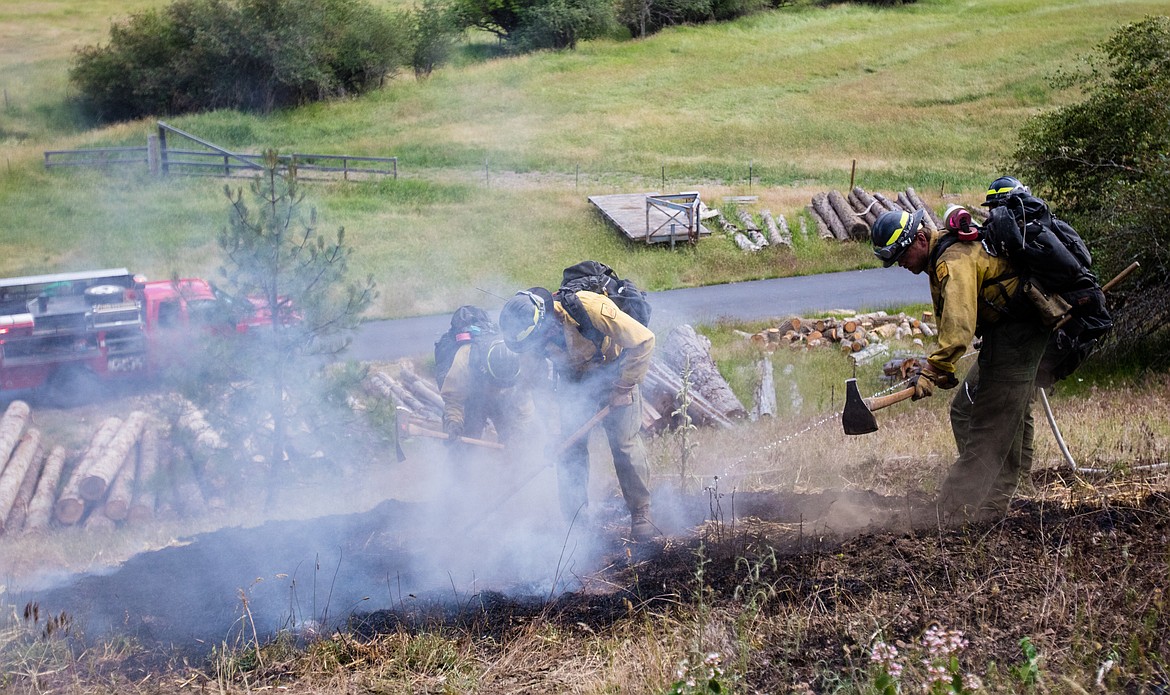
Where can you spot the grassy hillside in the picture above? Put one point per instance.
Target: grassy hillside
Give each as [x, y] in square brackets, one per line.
[497, 157]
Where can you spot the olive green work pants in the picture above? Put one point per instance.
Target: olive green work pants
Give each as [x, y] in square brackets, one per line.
[991, 418]
[578, 403]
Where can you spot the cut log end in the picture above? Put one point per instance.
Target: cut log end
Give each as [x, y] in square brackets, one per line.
[68, 511]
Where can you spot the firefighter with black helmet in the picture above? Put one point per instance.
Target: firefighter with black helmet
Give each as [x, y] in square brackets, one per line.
[592, 373]
[999, 189]
[479, 380]
[972, 292]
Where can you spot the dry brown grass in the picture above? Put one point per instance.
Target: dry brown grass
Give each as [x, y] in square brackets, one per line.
[791, 605]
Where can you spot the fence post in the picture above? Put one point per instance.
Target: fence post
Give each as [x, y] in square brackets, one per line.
[153, 159]
[162, 150]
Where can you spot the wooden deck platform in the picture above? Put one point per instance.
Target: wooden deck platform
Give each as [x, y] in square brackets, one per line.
[630, 213]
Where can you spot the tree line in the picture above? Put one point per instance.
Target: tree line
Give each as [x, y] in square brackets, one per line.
[262, 55]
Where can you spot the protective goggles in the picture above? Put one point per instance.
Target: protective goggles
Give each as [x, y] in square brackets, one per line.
[538, 310]
[899, 240]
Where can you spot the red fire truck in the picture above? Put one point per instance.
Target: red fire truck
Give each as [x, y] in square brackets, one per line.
[68, 333]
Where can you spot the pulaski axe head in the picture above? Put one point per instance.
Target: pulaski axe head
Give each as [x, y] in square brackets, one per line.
[401, 420]
[856, 418]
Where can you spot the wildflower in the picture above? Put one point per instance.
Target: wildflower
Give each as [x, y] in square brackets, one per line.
[936, 673]
[886, 655]
[883, 652]
[713, 663]
[942, 643]
[972, 682]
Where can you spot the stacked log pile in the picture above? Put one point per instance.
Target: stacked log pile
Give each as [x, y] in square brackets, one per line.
[712, 403]
[858, 335]
[851, 217]
[398, 391]
[749, 237]
[127, 473]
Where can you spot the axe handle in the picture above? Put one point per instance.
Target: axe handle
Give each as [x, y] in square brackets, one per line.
[880, 402]
[584, 430]
[412, 428]
[1120, 276]
[1125, 272]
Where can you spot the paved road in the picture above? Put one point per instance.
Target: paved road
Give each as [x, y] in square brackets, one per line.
[861, 290]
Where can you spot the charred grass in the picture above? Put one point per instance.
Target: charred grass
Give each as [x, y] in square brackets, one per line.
[1065, 594]
[796, 552]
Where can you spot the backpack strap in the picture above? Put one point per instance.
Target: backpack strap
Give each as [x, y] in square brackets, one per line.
[948, 240]
[576, 310]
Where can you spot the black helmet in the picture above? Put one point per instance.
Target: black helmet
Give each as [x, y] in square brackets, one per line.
[892, 234]
[522, 316]
[1001, 188]
[500, 364]
[467, 316]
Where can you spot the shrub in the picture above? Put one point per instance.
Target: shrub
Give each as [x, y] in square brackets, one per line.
[527, 25]
[432, 32]
[254, 55]
[562, 23]
[645, 17]
[1102, 164]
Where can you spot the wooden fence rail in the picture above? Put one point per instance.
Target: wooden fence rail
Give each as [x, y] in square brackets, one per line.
[98, 157]
[214, 160]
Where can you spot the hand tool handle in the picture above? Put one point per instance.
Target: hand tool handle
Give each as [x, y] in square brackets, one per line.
[415, 429]
[1106, 287]
[879, 402]
[1120, 276]
[584, 430]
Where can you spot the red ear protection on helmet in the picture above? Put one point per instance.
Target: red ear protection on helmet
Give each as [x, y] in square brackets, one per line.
[957, 219]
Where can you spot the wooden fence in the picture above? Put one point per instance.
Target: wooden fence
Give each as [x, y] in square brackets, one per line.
[202, 158]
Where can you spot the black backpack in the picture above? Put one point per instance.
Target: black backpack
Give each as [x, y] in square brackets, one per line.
[1052, 260]
[468, 323]
[593, 276]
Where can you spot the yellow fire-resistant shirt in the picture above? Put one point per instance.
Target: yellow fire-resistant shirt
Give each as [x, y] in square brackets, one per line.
[623, 337]
[463, 385]
[969, 287]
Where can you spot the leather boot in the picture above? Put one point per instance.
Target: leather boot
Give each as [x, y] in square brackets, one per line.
[641, 528]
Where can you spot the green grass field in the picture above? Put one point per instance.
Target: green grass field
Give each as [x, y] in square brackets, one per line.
[497, 157]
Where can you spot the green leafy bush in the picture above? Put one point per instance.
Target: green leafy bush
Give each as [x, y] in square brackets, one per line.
[1102, 164]
[526, 25]
[644, 17]
[254, 55]
[433, 33]
[562, 23]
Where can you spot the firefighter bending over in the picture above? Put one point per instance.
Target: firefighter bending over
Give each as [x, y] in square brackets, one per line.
[593, 372]
[479, 380]
[974, 294]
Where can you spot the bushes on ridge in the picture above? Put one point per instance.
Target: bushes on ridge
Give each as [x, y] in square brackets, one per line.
[254, 55]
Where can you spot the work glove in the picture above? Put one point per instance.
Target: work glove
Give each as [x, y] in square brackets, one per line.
[928, 378]
[454, 431]
[911, 367]
[621, 396]
[941, 379]
[923, 386]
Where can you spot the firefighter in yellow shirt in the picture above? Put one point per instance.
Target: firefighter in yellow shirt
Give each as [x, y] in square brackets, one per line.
[974, 294]
[480, 380]
[593, 372]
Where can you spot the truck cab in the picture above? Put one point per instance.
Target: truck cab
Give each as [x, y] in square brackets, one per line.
[67, 333]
